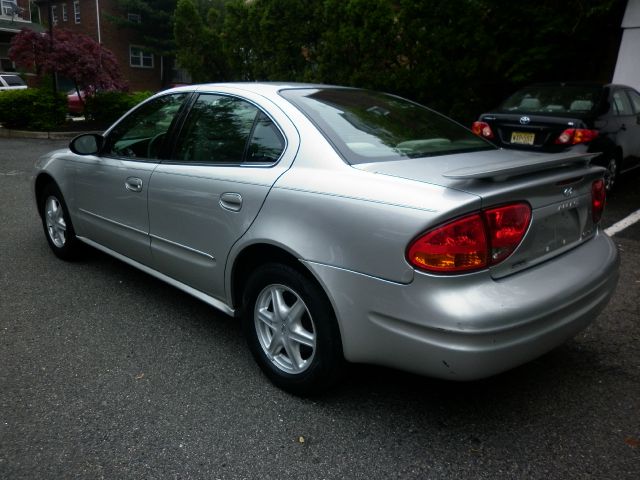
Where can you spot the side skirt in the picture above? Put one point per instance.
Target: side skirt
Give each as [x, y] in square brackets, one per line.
[161, 276]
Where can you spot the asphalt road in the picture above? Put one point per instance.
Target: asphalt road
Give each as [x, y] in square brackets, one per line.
[108, 373]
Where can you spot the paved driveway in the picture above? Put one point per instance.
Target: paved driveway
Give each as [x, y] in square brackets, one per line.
[108, 373]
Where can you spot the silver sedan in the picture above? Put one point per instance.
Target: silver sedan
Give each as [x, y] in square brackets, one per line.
[339, 225]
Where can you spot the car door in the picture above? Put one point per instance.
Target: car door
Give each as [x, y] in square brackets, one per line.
[224, 163]
[634, 126]
[111, 189]
[625, 121]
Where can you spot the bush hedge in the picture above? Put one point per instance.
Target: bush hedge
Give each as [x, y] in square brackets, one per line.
[32, 108]
[107, 107]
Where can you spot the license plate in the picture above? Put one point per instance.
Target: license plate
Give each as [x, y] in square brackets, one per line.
[523, 138]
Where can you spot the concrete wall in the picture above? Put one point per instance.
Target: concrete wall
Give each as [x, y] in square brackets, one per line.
[627, 70]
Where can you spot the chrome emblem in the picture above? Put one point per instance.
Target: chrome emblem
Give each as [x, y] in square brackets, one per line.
[567, 192]
[524, 120]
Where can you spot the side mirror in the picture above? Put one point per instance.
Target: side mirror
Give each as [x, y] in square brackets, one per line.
[87, 144]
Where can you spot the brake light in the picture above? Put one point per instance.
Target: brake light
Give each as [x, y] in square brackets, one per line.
[573, 136]
[598, 199]
[472, 242]
[482, 129]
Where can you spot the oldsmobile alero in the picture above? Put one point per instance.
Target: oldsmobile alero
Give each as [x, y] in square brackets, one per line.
[339, 225]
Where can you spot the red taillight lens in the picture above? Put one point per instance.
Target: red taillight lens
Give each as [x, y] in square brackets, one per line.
[454, 247]
[472, 242]
[507, 226]
[573, 136]
[482, 129]
[598, 199]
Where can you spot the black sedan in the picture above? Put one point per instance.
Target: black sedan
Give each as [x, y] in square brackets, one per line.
[556, 117]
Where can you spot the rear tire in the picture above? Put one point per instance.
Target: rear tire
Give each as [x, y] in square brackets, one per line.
[291, 330]
[57, 225]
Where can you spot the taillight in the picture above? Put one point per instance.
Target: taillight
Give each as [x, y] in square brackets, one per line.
[472, 242]
[573, 136]
[482, 129]
[598, 199]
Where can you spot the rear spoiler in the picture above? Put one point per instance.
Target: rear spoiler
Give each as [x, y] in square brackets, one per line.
[504, 170]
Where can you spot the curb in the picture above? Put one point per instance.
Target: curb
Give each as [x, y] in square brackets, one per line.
[8, 133]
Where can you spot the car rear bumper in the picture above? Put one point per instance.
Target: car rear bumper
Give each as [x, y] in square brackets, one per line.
[471, 326]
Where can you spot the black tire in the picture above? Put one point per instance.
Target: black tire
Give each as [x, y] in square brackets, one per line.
[612, 164]
[58, 229]
[305, 315]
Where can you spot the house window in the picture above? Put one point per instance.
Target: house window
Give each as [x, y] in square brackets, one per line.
[54, 14]
[134, 17]
[65, 16]
[76, 11]
[9, 8]
[140, 58]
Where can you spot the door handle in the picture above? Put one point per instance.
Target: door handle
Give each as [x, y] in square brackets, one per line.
[231, 201]
[133, 184]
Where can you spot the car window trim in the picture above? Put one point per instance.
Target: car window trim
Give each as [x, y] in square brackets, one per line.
[171, 160]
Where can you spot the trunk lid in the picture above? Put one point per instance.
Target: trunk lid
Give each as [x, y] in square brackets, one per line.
[557, 187]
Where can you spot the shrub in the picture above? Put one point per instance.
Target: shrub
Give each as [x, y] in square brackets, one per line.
[32, 109]
[107, 107]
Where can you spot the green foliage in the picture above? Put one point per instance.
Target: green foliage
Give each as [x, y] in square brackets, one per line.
[32, 109]
[458, 56]
[107, 107]
[197, 35]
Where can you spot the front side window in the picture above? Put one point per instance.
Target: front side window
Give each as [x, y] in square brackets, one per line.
[140, 58]
[65, 16]
[141, 134]
[54, 14]
[367, 126]
[228, 130]
[76, 11]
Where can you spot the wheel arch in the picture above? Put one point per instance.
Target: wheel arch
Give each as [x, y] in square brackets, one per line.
[42, 180]
[255, 255]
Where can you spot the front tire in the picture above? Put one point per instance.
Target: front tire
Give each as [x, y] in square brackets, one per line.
[611, 175]
[291, 330]
[57, 225]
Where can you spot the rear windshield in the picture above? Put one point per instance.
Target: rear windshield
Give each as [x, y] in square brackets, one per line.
[367, 126]
[554, 99]
[13, 80]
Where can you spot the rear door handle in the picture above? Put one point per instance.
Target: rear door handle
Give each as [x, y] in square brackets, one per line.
[133, 184]
[231, 201]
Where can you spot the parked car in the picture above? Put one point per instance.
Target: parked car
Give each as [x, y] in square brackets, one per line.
[341, 224]
[579, 117]
[75, 102]
[11, 81]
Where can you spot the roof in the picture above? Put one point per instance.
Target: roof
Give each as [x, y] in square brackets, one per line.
[15, 26]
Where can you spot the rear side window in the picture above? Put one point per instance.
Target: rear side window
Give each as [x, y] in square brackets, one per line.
[621, 103]
[222, 129]
[635, 100]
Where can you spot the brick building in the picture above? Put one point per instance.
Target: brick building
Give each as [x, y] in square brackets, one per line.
[14, 16]
[140, 67]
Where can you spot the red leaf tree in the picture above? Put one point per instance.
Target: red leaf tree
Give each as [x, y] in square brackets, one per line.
[76, 56]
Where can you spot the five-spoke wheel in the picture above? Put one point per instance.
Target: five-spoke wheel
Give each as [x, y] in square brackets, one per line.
[291, 329]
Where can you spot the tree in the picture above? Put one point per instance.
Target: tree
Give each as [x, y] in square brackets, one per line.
[199, 46]
[76, 56]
